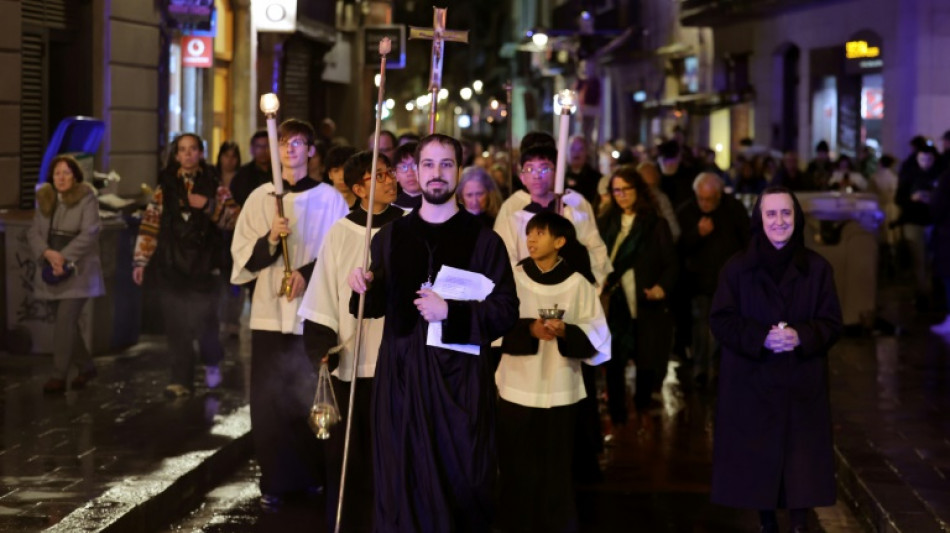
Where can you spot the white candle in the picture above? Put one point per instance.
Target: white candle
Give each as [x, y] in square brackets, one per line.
[269, 105]
[564, 104]
[563, 127]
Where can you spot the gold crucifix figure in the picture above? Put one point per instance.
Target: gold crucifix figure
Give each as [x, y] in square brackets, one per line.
[438, 35]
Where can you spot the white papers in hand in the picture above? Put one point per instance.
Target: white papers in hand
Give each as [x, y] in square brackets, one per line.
[456, 284]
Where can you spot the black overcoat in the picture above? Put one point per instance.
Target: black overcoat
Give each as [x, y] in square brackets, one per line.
[773, 443]
[433, 409]
[648, 249]
[940, 211]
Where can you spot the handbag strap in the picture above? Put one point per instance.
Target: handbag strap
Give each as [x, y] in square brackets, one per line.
[52, 217]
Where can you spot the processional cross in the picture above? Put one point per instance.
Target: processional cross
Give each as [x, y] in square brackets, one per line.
[438, 35]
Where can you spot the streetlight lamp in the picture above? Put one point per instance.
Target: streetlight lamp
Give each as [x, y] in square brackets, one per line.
[540, 39]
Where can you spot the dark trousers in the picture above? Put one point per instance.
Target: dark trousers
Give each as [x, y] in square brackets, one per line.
[652, 337]
[616, 375]
[358, 504]
[282, 387]
[189, 316]
[68, 347]
[704, 344]
[588, 439]
[534, 460]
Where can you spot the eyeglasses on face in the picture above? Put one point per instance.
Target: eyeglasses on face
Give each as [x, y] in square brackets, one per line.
[541, 172]
[405, 167]
[622, 191]
[293, 143]
[382, 176]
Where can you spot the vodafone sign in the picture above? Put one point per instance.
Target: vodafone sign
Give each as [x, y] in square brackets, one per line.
[197, 51]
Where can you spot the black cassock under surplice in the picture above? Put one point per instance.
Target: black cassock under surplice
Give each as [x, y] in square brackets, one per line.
[433, 409]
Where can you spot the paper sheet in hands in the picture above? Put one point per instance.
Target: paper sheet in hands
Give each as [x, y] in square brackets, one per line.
[457, 284]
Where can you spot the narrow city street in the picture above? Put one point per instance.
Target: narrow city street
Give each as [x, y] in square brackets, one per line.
[119, 456]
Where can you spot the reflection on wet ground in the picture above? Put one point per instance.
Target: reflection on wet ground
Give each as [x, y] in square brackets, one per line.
[57, 453]
[889, 394]
[656, 479]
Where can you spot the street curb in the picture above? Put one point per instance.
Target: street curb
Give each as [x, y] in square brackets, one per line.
[146, 502]
[880, 500]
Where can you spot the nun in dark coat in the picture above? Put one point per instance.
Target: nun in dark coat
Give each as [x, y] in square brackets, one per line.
[776, 314]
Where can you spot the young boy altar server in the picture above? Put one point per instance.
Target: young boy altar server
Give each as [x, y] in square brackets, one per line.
[330, 328]
[540, 384]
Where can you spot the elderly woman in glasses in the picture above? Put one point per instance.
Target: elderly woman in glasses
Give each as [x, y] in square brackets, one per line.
[635, 294]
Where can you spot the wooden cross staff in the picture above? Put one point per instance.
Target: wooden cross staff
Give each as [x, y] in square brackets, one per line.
[438, 35]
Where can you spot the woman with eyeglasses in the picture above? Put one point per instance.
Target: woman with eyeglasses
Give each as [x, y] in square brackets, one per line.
[635, 293]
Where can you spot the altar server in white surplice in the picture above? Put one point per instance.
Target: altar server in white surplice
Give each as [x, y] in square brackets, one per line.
[537, 175]
[540, 383]
[282, 379]
[330, 328]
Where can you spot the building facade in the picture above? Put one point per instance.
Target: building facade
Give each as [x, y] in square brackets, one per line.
[93, 58]
[850, 72]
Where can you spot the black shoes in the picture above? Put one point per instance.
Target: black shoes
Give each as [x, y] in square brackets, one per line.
[54, 386]
[80, 381]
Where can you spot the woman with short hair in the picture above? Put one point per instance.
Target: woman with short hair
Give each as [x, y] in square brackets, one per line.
[64, 237]
[478, 194]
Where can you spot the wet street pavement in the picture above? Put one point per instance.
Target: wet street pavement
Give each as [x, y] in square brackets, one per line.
[119, 456]
[656, 479]
[111, 447]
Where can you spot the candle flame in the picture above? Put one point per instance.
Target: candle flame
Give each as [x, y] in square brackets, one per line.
[565, 102]
[269, 104]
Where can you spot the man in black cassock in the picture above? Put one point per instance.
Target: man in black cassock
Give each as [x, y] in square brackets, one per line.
[433, 408]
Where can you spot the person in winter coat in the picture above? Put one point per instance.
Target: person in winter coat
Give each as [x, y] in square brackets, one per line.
[915, 187]
[644, 270]
[65, 236]
[940, 211]
[776, 315]
[180, 233]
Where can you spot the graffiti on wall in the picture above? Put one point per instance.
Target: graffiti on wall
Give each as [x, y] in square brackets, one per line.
[29, 308]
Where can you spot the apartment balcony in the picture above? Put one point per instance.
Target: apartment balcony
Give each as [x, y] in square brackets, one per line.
[713, 13]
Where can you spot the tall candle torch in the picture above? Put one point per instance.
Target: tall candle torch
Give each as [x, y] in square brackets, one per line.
[269, 106]
[565, 103]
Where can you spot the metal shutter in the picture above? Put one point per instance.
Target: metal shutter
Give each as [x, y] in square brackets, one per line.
[296, 97]
[44, 13]
[39, 18]
[32, 114]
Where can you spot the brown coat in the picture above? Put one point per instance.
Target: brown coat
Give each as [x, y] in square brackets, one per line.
[75, 211]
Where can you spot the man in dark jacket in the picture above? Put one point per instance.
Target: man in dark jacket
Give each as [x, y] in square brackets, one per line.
[790, 175]
[714, 227]
[579, 175]
[915, 187]
[675, 174]
[820, 168]
[253, 174]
